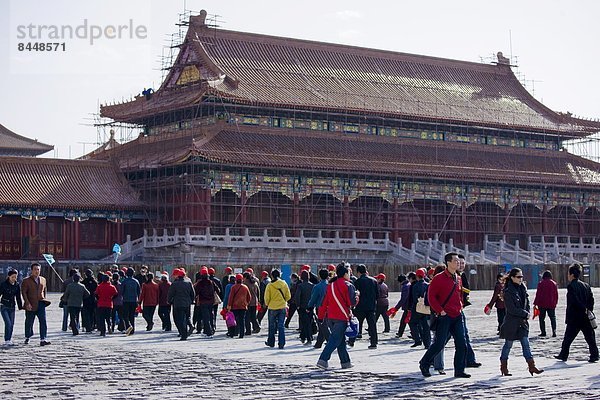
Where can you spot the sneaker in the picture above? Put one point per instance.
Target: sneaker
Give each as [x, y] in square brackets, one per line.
[543, 334]
[347, 365]
[593, 359]
[322, 364]
[371, 347]
[559, 357]
[281, 346]
[473, 365]
[416, 344]
[425, 371]
[26, 341]
[129, 331]
[9, 343]
[441, 371]
[269, 345]
[44, 343]
[461, 375]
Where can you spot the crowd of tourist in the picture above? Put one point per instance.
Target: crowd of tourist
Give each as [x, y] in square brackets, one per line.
[332, 308]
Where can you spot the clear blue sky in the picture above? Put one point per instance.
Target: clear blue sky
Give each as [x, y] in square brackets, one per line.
[51, 96]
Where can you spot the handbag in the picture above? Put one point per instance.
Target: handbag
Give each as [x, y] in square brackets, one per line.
[230, 320]
[592, 318]
[352, 328]
[433, 318]
[422, 308]
[217, 299]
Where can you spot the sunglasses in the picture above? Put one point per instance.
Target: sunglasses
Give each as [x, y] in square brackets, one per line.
[518, 276]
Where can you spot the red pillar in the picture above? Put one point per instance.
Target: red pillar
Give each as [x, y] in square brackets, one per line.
[244, 209]
[77, 239]
[395, 221]
[206, 207]
[463, 222]
[505, 226]
[296, 215]
[346, 217]
[545, 220]
[580, 220]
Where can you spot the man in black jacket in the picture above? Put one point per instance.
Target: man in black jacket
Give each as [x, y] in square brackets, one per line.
[367, 305]
[579, 300]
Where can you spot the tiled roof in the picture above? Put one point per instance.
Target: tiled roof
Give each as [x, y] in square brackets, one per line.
[331, 152]
[64, 184]
[291, 73]
[13, 144]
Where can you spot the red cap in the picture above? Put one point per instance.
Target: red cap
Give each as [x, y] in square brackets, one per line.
[211, 271]
[178, 272]
[264, 273]
[421, 273]
[228, 269]
[331, 267]
[431, 271]
[239, 277]
[203, 271]
[250, 270]
[305, 267]
[381, 276]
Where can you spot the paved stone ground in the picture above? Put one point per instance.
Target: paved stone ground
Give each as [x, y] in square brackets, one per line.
[156, 365]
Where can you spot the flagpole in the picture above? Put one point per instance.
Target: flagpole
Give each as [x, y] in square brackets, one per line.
[50, 260]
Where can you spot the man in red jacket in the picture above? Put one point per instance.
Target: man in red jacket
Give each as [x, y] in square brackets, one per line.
[445, 299]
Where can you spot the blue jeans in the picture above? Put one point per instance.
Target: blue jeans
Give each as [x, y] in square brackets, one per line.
[276, 324]
[336, 341]
[8, 315]
[448, 326]
[524, 344]
[30, 318]
[65, 318]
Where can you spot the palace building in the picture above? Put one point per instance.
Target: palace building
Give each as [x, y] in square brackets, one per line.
[295, 142]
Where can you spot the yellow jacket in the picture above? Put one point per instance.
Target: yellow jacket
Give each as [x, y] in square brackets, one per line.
[277, 294]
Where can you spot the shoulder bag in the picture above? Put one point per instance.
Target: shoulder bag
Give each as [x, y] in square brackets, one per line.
[433, 318]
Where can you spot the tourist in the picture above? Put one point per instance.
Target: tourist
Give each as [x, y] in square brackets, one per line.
[516, 325]
[497, 300]
[142, 277]
[181, 297]
[131, 293]
[419, 326]
[445, 300]
[73, 298]
[149, 300]
[105, 293]
[292, 307]
[88, 312]
[277, 294]
[383, 303]
[462, 270]
[365, 309]
[116, 316]
[239, 298]
[305, 314]
[404, 302]
[230, 284]
[316, 302]
[205, 298]
[225, 280]
[218, 292]
[250, 321]
[264, 281]
[579, 300]
[10, 298]
[546, 299]
[33, 290]
[339, 299]
[64, 285]
[164, 308]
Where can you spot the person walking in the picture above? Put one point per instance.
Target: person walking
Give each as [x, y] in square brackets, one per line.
[383, 303]
[339, 299]
[10, 298]
[316, 302]
[131, 294]
[239, 298]
[33, 290]
[445, 300]
[205, 298]
[88, 312]
[404, 302]
[105, 293]
[497, 301]
[64, 285]
[546, 299]
[149, 300]
[164, 308]
[277, 295]
[305, 314]
[367, 288]
[580, 300]
[181, 297]
[464, 277]
[292, 306]
[419, 326]
[250, 321]
[73, 297]
[116, 315]
[516, 325]
[219, 292]
[265, 280]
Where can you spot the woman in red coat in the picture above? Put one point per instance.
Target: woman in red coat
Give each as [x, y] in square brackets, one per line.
[546, 298]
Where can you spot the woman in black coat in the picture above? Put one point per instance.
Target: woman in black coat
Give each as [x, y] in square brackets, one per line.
[515, 325]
